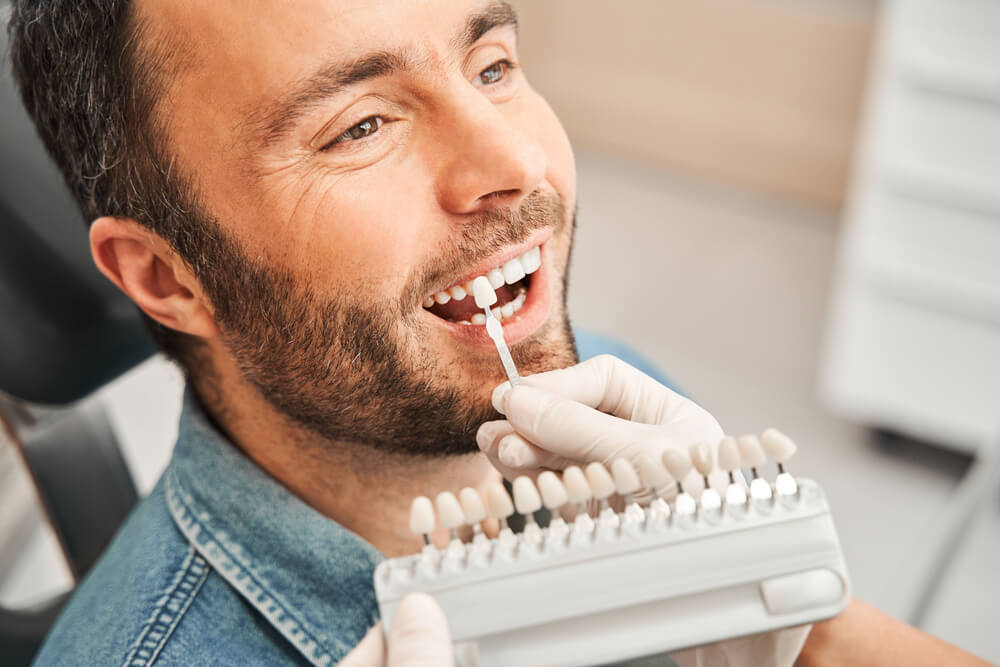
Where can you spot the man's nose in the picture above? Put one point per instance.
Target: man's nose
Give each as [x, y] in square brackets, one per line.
[490, 161]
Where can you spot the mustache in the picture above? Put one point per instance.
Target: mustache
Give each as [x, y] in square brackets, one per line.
[484, 236]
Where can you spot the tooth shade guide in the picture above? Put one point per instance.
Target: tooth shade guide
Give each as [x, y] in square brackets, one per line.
[484, 292]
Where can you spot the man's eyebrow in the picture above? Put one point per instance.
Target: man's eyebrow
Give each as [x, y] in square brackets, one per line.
[494, 15]
[272, 123]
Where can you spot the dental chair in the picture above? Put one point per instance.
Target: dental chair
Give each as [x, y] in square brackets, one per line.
[64, 332]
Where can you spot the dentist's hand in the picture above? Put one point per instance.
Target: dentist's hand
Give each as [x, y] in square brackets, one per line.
[598, 410]
[419, 637]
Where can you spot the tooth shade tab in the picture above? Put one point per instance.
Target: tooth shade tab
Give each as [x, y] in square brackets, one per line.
[600, 481]
[422, 516]
[526, 498]
[449, 511]
[777, 445]
[625, 476]
[729, 454]
[472, 505]
[498, 503]
[553, 492]
[703, 458]
[483, 292]
[751, 453]
[531, 261]
[678, 463]
[651, 472]
[576, 485]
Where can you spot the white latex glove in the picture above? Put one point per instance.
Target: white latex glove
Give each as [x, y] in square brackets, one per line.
[598, 410]
[419, 637]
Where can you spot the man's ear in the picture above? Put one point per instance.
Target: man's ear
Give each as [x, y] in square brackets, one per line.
[143, 266]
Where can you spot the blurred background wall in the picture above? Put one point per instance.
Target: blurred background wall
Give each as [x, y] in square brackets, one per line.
[769, 192]
[763, 95]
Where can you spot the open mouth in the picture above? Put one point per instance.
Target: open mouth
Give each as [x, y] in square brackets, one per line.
[511, 280]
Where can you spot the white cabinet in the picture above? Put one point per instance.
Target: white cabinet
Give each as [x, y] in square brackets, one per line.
[914, 337]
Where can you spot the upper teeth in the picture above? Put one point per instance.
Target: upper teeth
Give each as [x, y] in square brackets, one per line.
[509, 273]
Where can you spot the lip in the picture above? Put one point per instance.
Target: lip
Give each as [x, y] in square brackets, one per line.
[496, 261]
[526, 321]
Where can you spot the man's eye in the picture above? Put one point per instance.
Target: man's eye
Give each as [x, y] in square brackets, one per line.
[495, 72]
[365, 128]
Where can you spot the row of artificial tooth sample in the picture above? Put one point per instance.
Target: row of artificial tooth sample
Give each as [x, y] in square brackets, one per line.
[511, 271]
[640, 485]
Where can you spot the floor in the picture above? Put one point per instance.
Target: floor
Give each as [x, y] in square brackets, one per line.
[727, 292]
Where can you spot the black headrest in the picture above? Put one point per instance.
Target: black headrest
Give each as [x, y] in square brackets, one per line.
[64, 329]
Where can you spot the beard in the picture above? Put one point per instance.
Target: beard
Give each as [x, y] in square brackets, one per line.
[351, 370]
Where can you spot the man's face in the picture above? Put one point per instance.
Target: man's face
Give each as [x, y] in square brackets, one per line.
[365, 157]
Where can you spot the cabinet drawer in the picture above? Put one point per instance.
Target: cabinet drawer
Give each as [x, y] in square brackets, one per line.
[926, 373]
[949, 43]
[934, 252]
[938, 140]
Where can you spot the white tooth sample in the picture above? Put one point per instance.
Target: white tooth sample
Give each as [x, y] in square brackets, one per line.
[532, 260]
[625, 476]
[678, 464]
[777, 445]
[498, 503]
[751, 453]
[478, 319]
[472, 505]
[496, 278]
[729, 454]
[576, 485]
[422, 516]
[507, 310]
[513, 271]
[449, 510]
[483, 291]
[553, 492]
[703, 458]
[457, 292]
[526, 498]
[428, 302]
[651, 472]
[442, 297]
[600, 481]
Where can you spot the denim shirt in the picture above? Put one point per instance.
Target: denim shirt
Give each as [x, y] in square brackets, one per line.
[221, 564]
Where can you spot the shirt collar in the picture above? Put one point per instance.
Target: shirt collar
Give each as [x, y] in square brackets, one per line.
[310, 577]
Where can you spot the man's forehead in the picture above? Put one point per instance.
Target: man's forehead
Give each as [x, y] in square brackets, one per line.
[257, 41]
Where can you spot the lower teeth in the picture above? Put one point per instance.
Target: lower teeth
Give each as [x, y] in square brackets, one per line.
[504, 312]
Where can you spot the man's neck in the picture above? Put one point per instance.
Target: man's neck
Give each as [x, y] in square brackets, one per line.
[367, 491]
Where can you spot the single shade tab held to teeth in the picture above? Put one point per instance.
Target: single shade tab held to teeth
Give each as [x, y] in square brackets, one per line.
[486, 297]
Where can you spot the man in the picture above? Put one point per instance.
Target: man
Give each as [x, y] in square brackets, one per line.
[295, 195]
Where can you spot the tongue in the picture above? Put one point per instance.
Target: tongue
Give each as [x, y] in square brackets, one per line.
[456, 311]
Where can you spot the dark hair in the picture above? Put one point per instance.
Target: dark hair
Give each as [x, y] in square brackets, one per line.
[89, 73]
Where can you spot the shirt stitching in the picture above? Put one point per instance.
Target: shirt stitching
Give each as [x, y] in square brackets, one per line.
[170, 609]
[224, 557]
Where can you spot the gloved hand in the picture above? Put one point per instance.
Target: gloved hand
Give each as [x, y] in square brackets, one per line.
[598, 410]
[419, 637]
